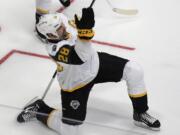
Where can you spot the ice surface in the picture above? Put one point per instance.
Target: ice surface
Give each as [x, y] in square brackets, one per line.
[154, 32]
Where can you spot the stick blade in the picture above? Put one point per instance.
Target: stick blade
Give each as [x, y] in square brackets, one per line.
[125, 11]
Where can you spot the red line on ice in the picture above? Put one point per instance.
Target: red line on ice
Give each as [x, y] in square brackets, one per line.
[10, 53]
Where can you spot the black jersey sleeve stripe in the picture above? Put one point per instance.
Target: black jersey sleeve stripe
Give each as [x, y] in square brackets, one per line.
[67, 54]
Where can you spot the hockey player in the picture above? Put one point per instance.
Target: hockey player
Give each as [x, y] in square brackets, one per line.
[79, 68]
[44, 7]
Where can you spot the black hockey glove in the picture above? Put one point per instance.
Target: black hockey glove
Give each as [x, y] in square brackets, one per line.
[65, 3]
[85, 24]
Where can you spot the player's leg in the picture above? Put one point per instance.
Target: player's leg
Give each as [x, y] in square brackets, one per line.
[110, 68]
[55, 123]
[74, 107]
[42, 7]
[115, 69]
[38, 109]
[74, 104]
[134, 77]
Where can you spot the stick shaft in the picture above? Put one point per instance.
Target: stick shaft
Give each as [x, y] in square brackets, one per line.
[49, 85]
[92, 3]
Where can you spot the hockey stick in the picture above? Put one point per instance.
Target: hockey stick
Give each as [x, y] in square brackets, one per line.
[49, 85]
[45, 92]
[128, 131]
[92, 3]
[122, 11]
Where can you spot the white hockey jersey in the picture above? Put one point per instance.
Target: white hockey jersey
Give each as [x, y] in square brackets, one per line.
[77, 61]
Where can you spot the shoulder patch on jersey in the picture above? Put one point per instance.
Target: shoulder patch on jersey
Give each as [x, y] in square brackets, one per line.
[54, 48]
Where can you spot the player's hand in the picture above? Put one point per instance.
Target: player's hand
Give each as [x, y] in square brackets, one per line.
[87, 20]
[85, 24]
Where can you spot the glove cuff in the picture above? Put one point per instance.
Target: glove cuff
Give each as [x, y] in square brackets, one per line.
[85, 34]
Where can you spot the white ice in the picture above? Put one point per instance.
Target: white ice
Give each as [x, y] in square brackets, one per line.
[154, 32]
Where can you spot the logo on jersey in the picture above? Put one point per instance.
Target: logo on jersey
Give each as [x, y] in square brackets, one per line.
[74, 104]
[54, 48]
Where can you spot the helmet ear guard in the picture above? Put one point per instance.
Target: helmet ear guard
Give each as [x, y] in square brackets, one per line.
[48, 25]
